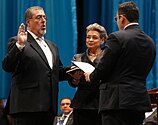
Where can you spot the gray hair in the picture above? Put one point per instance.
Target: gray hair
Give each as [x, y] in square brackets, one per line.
[98, 28]
[29, 11]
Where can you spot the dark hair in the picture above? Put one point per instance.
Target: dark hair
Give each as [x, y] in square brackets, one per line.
[129, 10]
[65, 98]
[29, 11]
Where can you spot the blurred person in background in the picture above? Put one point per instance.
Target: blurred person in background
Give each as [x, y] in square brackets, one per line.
[66, 116]
[4, 118]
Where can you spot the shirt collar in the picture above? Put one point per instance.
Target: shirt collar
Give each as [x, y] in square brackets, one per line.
[67, 114]
[33, 35]
[130, 25]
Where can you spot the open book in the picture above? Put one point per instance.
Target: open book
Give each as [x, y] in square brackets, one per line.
[78, 69]
[85, 67]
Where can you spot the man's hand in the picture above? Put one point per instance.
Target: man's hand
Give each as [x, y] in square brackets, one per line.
[75, 81]
[87, 74]
[77, 75]
[22, 35]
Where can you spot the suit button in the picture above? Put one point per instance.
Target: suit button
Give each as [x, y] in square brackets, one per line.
[49, 74]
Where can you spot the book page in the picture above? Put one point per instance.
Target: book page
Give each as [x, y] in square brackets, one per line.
[86, 67]
[73, 69]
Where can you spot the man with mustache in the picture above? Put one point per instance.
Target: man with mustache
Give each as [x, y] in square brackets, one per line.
[36, 68]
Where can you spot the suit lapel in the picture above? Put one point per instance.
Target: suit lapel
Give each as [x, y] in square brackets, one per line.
[70, 120]
[37, 48]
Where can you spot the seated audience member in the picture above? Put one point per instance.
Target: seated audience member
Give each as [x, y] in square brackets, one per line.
[66, 116]
[151, 117]
[4, 119]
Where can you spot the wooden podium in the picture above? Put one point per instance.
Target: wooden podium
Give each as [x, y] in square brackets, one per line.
[153, 93]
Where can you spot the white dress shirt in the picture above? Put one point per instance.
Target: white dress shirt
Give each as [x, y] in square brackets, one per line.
[65, 120]
[41, 42]
[46, 50]
[130, 25]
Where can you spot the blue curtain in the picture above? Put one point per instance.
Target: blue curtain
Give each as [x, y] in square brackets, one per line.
[104, 11]
[67, 21]
[61, 29]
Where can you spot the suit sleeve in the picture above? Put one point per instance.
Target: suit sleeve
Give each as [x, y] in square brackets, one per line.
[12, 57]
[107, 60]
[77, 57]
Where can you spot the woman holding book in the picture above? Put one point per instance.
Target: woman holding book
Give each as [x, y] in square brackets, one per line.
[85, 101]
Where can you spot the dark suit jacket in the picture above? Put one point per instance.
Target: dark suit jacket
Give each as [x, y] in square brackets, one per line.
[86, 96]
[34, 85]
[126, 62]
[69, 121]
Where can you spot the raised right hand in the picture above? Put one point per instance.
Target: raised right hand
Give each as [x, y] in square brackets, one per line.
[22, 35]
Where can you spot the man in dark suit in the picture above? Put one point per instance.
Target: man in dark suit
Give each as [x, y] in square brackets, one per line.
[66, 116]
[36, 68]
[128, 58]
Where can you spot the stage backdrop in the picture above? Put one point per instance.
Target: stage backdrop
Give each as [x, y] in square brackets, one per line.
[104, 11]
[61, 29]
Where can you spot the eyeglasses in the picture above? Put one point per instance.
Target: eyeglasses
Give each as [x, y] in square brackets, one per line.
[62, 104]
[40, 17]
[116, 18]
